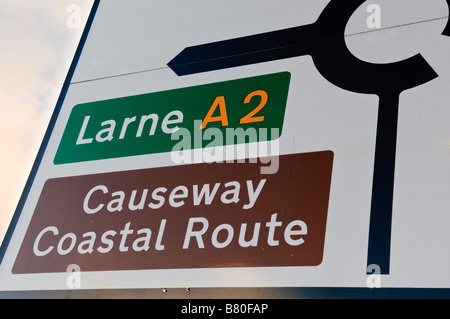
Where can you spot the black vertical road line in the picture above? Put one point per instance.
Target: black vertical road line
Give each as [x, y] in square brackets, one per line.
[383, 183]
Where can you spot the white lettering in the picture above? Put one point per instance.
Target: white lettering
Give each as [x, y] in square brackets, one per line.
[209, 196]
[158, 198]
[227, 241]
[116, 204]
[158, 245]
[89, 243]
[253, 195]
[144, 119]
[145, 240]
[36, 250]
[126, 121]
[288, 232]
[81, 139]
[109, 131]
[197, 234]
[271, 225]
[131, 204]
[125, 232]
[167, 121]
[177, 193]
[72, 239]
[234, 192]
[252, 242]
[86, 208]
[107, 241]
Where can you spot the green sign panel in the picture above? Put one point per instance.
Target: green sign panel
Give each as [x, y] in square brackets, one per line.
[224, 113]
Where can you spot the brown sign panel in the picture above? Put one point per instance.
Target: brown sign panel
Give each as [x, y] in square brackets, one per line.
[187, 216]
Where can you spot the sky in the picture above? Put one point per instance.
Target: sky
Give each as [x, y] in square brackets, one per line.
[38, 42]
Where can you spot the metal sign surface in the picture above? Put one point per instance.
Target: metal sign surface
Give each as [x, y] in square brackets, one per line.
[305, 144]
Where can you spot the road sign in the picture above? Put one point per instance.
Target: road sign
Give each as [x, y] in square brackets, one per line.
[197, 216]
[302, 145]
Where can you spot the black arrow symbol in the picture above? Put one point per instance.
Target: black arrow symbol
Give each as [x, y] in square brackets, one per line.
[324, 41]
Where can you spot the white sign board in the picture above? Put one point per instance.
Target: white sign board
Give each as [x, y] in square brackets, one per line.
[245, 144]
